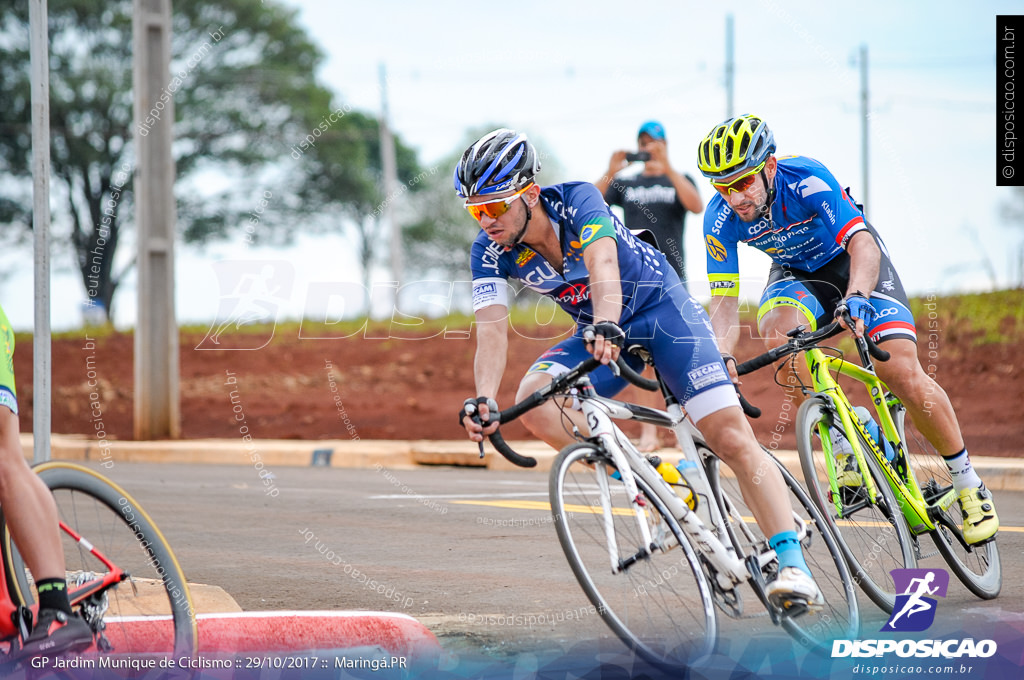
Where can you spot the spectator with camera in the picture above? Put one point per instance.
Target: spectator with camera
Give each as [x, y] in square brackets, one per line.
[658, 198]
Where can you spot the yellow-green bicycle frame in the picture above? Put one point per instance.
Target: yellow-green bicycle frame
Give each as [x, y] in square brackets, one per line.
[899, 473]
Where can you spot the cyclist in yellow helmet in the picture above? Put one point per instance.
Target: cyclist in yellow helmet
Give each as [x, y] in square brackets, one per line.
[825, 256]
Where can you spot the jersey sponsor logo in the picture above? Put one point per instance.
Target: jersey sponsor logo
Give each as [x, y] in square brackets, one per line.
[524, 257]
[889, 311]
[561, 209]
[720, 219]
[484, 292]
[715, 248]
[575, 294]
[780, 237]
[489, 260]
[705, 375]
[537, 277]
[722, 285]
[828, 212]
[756, 229]
[810, 185]
[574, 253]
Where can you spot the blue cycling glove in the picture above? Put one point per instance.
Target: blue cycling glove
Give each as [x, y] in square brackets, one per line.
[860, 308]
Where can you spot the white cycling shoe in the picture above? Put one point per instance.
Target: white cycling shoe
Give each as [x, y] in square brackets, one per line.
[794, 587]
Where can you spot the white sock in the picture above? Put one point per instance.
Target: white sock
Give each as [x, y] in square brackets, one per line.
[962, 472]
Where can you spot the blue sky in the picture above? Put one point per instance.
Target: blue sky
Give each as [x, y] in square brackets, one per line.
[579, 78]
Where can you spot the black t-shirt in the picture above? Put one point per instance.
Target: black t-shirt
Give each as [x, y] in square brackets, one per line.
[651, 202]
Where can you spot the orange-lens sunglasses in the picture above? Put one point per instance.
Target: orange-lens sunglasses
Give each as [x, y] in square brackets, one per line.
[740, 184]
[496, 208]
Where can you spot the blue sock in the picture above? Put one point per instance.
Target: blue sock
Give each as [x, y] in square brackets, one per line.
[787, 547]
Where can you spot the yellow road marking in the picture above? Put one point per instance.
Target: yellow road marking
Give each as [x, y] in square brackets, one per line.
[544, 505]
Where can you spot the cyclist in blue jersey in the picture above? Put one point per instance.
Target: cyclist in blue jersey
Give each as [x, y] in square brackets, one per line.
[564, 242]
[31, 515]
[824, 256]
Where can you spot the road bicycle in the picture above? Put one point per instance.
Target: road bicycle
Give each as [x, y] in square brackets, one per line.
[118, 565]
[878, 505]
[657, 570]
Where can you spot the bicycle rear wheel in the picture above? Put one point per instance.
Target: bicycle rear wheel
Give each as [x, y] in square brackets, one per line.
[109, 520]
[978, 567]
[657, 601]
[873, 536]
[839, 619]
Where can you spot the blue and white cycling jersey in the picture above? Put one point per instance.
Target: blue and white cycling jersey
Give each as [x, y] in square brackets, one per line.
[811, 221]
[580, 217]
[657, 311]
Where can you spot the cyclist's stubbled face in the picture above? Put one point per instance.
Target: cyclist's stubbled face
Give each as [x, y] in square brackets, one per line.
[752, 204]
[508, 229]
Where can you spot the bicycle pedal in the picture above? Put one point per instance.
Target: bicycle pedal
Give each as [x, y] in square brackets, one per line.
[794, 607]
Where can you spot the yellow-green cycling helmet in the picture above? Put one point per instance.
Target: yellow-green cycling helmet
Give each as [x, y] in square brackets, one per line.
[738, 144]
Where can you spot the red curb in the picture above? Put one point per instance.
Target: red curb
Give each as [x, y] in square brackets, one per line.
[398, 634]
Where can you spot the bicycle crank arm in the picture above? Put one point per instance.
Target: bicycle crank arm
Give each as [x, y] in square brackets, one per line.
[759, 585]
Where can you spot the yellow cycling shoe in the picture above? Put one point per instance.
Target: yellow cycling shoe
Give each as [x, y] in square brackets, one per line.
[980, 520]
[847, 473]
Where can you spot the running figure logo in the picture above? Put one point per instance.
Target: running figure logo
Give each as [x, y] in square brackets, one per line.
[252, 292]
[914, 610]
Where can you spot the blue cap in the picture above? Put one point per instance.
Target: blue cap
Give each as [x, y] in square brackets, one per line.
[653, 128]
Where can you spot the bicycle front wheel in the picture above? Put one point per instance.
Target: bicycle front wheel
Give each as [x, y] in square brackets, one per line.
[977, 567]
[873, 535]
[656, 598]
[111, 524]
[839, 617]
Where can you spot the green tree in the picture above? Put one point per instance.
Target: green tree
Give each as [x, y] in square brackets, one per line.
[245, 98]
[344, 182]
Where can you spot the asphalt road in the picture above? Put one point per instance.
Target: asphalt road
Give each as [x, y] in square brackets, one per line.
[459, 549]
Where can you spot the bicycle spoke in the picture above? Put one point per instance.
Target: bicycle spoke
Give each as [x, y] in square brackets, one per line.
[838, 618]
[978, 567]
[872, 535]
[657, 601]
[119, 532]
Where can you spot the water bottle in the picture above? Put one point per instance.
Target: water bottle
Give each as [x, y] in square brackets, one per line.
[672, 475]
[686, 469]
[872, 427]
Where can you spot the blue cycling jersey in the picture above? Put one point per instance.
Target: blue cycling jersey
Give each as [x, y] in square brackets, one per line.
[580, 217]
[810, 222]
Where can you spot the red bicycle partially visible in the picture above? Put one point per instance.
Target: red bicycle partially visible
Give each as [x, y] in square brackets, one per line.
[122, 576]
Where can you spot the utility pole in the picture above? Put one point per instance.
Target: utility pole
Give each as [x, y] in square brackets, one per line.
[389, 166]
[730, 67]
[39, 75]
[157, 406]
[864, 124]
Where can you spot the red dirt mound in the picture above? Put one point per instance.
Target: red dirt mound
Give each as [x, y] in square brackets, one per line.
[371, 386]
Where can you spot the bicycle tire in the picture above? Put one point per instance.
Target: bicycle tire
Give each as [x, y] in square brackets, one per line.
[979, 568]
[103, 514]
[840, 617]
[875, 537]
[660, 606]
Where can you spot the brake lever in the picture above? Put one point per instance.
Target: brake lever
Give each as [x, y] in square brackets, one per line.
[476, 419]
